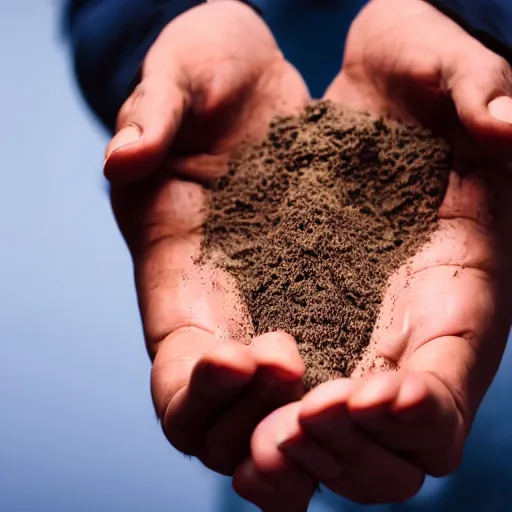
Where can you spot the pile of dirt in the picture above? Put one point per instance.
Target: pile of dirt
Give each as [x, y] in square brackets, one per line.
[314, 220]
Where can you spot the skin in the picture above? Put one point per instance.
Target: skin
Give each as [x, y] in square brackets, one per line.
[446, 316]
[214, 78]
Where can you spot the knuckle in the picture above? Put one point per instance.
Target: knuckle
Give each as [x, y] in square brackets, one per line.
[225, 354]
[276, 340]
[273, 375]
[278, 351]
[283, 337]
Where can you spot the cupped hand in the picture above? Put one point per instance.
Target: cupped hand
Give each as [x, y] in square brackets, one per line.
[214, 78]
[406, 60]
[407, 409]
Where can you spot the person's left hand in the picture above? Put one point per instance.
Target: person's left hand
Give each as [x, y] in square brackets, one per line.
[446, 315]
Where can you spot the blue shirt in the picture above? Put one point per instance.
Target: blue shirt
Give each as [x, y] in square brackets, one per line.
[110, 38]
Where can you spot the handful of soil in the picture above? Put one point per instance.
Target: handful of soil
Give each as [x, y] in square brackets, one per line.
[313, 221]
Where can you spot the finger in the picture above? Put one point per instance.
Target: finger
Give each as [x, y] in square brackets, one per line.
[278, 381]
[285, 95]
[481, 88]
[147, 124]
[282, 431]
[292, 494]
[455, 391]
[439, 391]
[202, 168]
[179, 297]
[412, 414]
[371, 473]
[277, 353]
[194, 378]
[501, 108]
[447, 331]
[269, 479]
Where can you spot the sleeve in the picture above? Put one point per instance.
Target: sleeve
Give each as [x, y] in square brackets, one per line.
[109, 39]
[488, 20]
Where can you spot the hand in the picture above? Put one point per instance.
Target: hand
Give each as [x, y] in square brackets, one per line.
[213, 78]
[446, 316]
[406, 60]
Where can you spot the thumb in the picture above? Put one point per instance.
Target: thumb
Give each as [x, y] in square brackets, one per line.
[147, 124]
[482, 94]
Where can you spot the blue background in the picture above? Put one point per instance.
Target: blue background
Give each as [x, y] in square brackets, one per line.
[77, 429]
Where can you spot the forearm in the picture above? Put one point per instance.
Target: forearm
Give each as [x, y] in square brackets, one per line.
[109, 41]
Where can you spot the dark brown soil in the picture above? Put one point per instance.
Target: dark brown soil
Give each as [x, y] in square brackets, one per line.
[313, 221]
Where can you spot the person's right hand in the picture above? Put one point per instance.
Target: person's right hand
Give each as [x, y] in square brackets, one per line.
[214, 78]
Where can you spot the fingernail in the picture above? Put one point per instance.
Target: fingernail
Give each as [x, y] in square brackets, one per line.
[128, 135]
[371, 396]
[501, 109]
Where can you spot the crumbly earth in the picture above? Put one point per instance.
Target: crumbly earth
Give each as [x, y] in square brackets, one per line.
[313, 221]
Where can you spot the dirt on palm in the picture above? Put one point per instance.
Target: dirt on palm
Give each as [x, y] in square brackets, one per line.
[313, 221]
